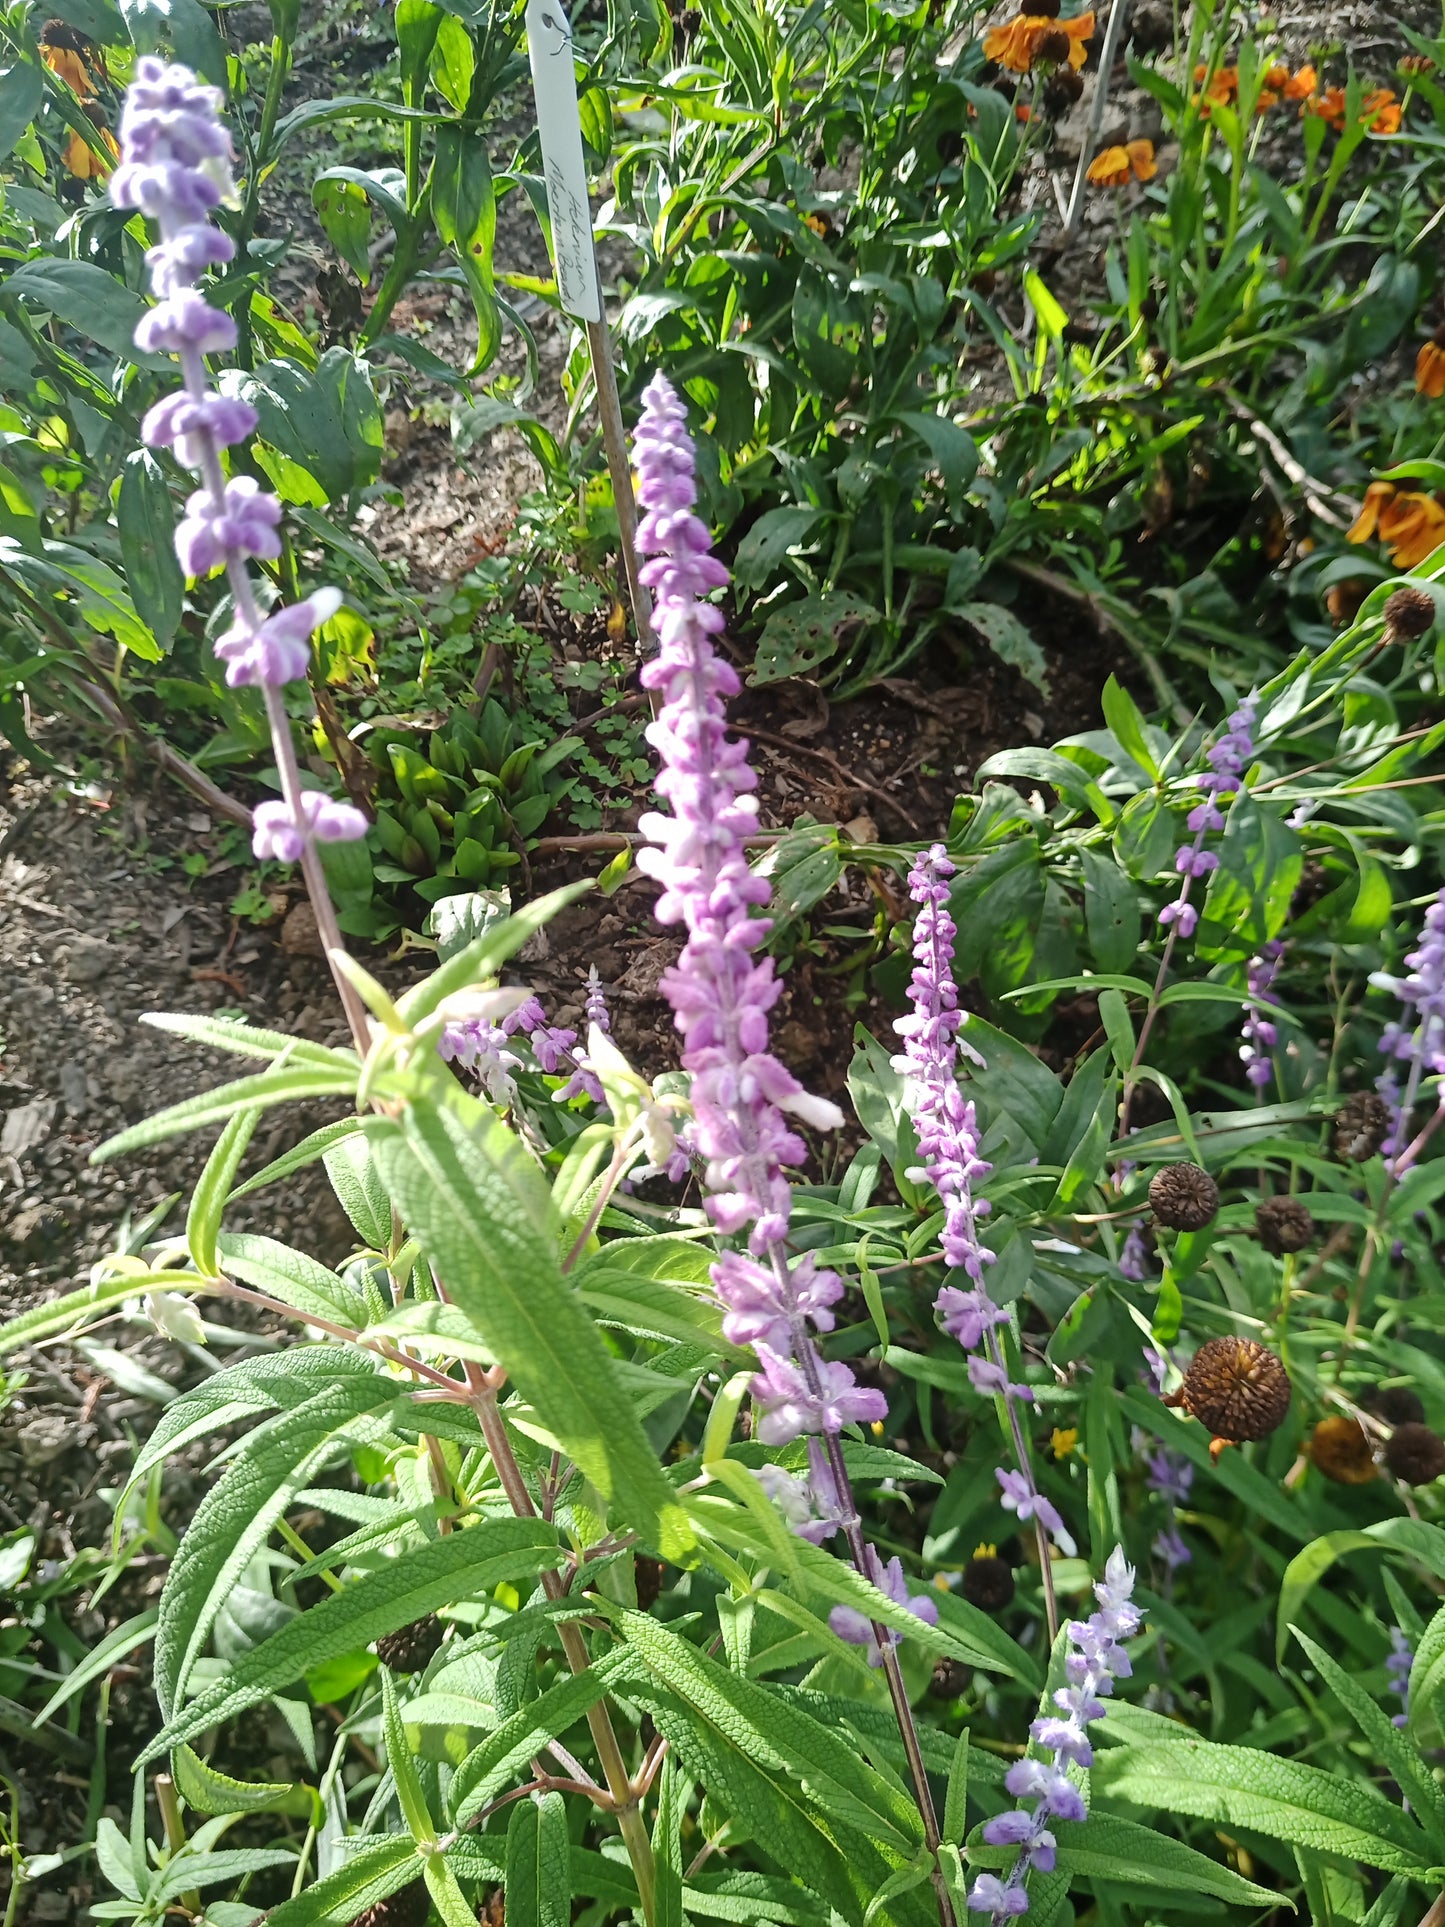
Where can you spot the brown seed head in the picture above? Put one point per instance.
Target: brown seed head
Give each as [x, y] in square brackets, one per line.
[950, 1679]
[1361, 1126]
[988, 1583]
[1283, 1224]
[409, 1906]
[1410, 613]
[410, 1648]
[1183, 1197]
[59, 33]
[1053, 46]
[1151, 30]
[1398, 1406]
[1413, 64]
[1237, 1388]
[1043, 10]
[1415, 1454]
[1061, 90]
[1340, 1447]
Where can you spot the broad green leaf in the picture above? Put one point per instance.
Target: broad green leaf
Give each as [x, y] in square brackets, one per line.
[357, 1183]
[1234, 1786]
[461, 1566]
[297, 1280]
[145, 521]
[206, 1791]
[87, 298]
[236, 1517]
[506, 1280]
[539, 1863]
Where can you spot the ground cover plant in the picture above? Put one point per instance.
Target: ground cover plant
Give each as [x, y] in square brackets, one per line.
[1004, 1482]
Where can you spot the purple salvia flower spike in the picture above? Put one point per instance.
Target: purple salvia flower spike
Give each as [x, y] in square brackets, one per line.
[1418, 1041]
[1228, 758]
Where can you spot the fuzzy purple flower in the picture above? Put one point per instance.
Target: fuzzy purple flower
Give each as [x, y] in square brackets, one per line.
[1096, 1658]
[596, 1003]
[1398, 1664]
[277, 834]
[1134, 1258]
[1260, 1033]
[859, 1630]
[185, 324]
[190, 425]
[720, 989]
[278, 650]
[1169, 1474]
[233, 526]
[1417, 1041]
[1020, 1497]
[1228, 758]
[810, 1502]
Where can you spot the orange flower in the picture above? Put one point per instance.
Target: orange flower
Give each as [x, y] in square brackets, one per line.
[1413, 65]
[1411, 525]
[1015, 43]
[1113, 166]
[65, 52]
[1301, 85]
[1430, 366]
[1330, 106]
[1381, 112]
[84, 162]
[1023, 112]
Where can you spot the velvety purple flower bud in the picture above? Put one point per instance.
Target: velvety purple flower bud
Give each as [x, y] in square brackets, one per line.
[1004, 1900]
[1184, 914]
[1204, 816]
[597, 1012]
[182, 258]
[190, 425]
[1064, 1738]
[276, 833]
[890, 1580]
[1020, 1497]
[1192, 862]
[1169, 1548]
[789, 1406]
[1134, 1258]
[992, 1381]
[244, 523]
[968, 1315]
[185, 323]
[1418, 1041]
[1038, 1780]
[279, 650]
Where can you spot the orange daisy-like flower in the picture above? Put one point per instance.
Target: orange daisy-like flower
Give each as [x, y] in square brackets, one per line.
[85, 162]
[1023, 112]
[69, 55]
[1301, 85]
[1430, 366]
[1114, 166]
[1271, 92]
[1015, 44]
[1381, 112]
[1330, 106]
[1410, 524]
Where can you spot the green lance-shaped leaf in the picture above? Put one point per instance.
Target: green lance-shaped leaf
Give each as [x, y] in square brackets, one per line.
[208, 1200]
[493, 1765]
[258, 1093]
[464, 1565]
[539, 1863]
[145, 521]
[1109, 1848]
[78, 1309]
[409, 1791]
[373, 1872]
[296, 1279]
[1390, 1746]
[236, 1517]
[1412, 1537]
[667, 1846]
[505, 1278]
[464, 207]
[1427, 1682]
[1235, 1786]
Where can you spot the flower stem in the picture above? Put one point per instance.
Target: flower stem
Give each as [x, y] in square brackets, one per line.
[1026, 1467]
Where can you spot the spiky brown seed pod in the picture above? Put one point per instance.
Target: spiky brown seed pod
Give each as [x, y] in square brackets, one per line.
[1340, 1447]
[988, 1583]
[1398, 1406]
[407, 1907]
[1053, 46]
[950, 1679]
[1237, 1388]
[1362, 1124]
[410, 1649]
[1041, 9]
[1410, 613]
[1283, 1224]
[1415, 1454]
[1061, 90]
[1183, 1197]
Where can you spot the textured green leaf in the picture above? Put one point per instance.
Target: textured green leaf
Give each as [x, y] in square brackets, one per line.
[208, 1200]
[506, 1280]
[206, 1791]
[145, 522]
[1235, 1786]
[490, 1767]
[464, 1565]
[79, 1308]
[1304, 1572]
[298, 1281]
[236, 1517]
[257, 1093]
[249, 1040]
[357, 1183]
[1427, 1682]
[372, 1871]
[1111, 1848]
[315, 1145]
[409, 1794]
[1390, 1746]
[539, 1864]
[667, 1846]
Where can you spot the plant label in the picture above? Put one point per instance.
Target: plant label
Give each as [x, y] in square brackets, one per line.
[554, 81]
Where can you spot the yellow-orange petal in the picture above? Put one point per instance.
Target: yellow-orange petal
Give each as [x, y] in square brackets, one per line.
[1141, 159]
[1377, 496]
[1277, 77]
[1430, 371]
[70, 67]
[1301, 85]
[1110, 167]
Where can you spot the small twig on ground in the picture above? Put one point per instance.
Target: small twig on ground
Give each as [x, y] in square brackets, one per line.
[1327, 503]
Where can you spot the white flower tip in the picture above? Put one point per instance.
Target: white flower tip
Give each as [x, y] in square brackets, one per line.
[816, 1111]
[324, 604]
[478, 1006]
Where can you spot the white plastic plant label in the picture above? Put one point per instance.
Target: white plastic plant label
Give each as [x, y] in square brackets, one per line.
[554, 81]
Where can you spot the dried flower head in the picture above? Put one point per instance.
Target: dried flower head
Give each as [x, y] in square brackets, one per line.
[1340, 1448]
[409, 1906]
[411, 1649]
[1237, 1387]
[1415, 1454]
[1398, 1405]
[988, 1583]
[950, 1679]
[1283, 1224]
[1183, 1197]
[1362, 1124]
[1410, 612]
[1061, 90]
[1053, 46]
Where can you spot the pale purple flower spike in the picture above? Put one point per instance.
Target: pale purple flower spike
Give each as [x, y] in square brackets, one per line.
[175, 167]
[861, 1631]
[1096, 1658]
[1260, 1032]
[721, 989]
[1228, 759]
[1398, 1663]
[1418, 1042]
